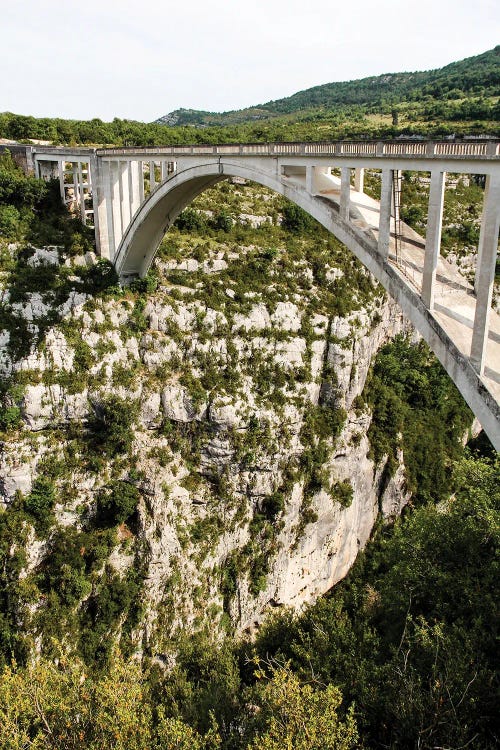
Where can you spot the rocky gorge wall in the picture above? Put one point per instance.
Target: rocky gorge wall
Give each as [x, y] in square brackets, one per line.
[236, 381]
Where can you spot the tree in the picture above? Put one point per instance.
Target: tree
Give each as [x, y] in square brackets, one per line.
[299, 716]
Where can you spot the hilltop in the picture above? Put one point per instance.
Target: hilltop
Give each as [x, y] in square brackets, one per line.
[468, 79]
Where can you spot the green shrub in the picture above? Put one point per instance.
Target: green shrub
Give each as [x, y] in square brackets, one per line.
[111, 429]
[40, 502]
[10, 417]
[117, 504]
[10, 219]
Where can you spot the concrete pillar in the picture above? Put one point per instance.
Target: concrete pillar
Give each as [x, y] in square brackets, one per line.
[384, 227]
[108, 200]
[62, 189]
[114, 173]
[141, 182]
[81, 193]
[152, 178]
[481, 233]
[164, 171]
[76, 187]
[359, 179]
[124, 195]
[136, 179]
[310, 179]
[345, 192]
[99, 204]
[486, 272]
[397, 176]
[433, 237]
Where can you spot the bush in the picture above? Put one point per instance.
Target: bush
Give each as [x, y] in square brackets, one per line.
[10, 219]
[40, 502]
[10, 417]
[116, 504]
[112, 427]
[295, 219]
[190, 220]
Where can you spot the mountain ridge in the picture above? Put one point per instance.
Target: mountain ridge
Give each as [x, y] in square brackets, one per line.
[478, 75]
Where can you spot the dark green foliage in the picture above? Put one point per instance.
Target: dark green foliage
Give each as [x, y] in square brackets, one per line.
[16, 188]
[222, 221]
[342, 492]
[117, 602]
[417, 408]
[40, 502]
[191, 220]
[273, 505]
[117, 503]
[10, 417]
[410, 636]
[295, 219]
[146, 285]
[111, 430]
[99, 277]
[14, 638]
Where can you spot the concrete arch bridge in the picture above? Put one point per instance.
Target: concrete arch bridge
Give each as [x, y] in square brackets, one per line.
[132, 196]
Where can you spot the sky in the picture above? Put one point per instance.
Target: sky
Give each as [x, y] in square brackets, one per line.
[141, 59]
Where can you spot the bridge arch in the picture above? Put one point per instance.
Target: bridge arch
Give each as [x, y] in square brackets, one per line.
[142, 237]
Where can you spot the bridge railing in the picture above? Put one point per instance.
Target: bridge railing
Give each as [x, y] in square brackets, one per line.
[454, 149]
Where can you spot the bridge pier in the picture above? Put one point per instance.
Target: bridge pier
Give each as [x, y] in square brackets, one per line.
[359, 179]
[485, 275]
[433, 237]
[345, 192]
[384, 227]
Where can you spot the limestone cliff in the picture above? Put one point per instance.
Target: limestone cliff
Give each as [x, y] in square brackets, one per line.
[235, 373]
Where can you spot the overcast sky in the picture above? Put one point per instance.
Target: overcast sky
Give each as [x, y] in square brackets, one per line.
[142, 59]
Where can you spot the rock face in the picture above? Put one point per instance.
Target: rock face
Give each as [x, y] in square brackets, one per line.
[240, 509]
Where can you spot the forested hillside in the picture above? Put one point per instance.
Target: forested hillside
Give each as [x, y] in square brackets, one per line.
[461, 98]
[473, 78]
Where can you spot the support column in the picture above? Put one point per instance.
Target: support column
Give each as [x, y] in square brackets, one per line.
[108, 195]
[486, 273]
[135, 174]
[114, 169]
[164, 171]
[384, 227]
[76, 188]
[62, 189]
[99, 205]
[359, 179]
[152, 178]
[345, 192]
[141, 182]
[433, 237]
[124, 195]
[81, 193]
[310, 179]
[481, 233]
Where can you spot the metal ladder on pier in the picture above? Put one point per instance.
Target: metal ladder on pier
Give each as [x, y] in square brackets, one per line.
[397, 180]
